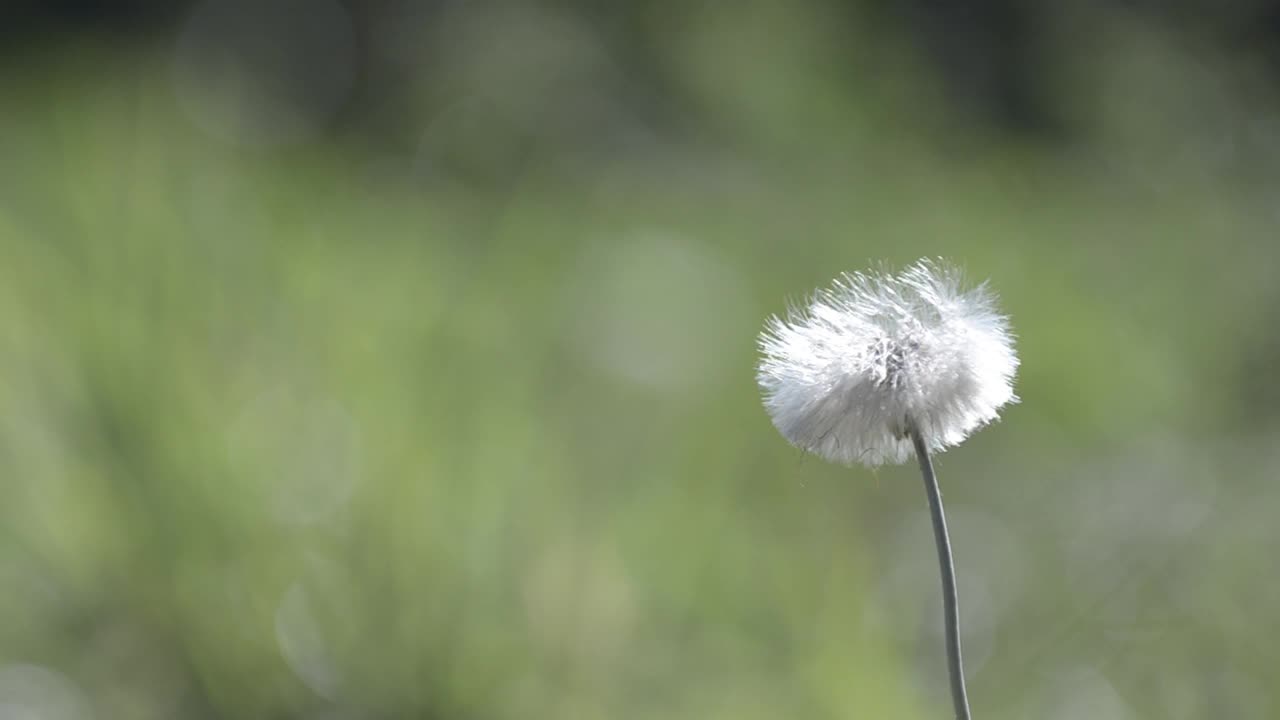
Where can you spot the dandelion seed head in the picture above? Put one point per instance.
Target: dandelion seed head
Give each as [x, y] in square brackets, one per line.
[846, 374]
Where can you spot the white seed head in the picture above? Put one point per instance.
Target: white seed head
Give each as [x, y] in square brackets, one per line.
[847, 375]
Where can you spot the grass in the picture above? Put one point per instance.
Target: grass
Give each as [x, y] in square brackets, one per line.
[287, 431]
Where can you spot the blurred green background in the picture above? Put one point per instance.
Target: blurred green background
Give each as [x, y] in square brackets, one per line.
[396, 359]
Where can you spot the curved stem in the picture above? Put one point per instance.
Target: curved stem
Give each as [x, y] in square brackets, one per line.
[950, 604]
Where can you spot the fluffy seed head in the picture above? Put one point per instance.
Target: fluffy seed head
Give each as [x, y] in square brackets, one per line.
[846, 375]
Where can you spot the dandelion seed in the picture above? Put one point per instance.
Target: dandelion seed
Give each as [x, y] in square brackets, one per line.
[881, 367]
[847, 376]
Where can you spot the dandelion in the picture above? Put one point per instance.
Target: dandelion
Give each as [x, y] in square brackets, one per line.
[882, 367]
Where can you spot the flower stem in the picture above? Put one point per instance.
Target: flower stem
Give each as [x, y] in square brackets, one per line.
[950, 604]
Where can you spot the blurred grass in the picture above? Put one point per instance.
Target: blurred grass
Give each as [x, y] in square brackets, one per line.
[293, 432]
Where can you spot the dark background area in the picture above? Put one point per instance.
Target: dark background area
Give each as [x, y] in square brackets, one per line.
[999, 60]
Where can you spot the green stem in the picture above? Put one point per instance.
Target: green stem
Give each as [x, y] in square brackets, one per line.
[950, 603]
